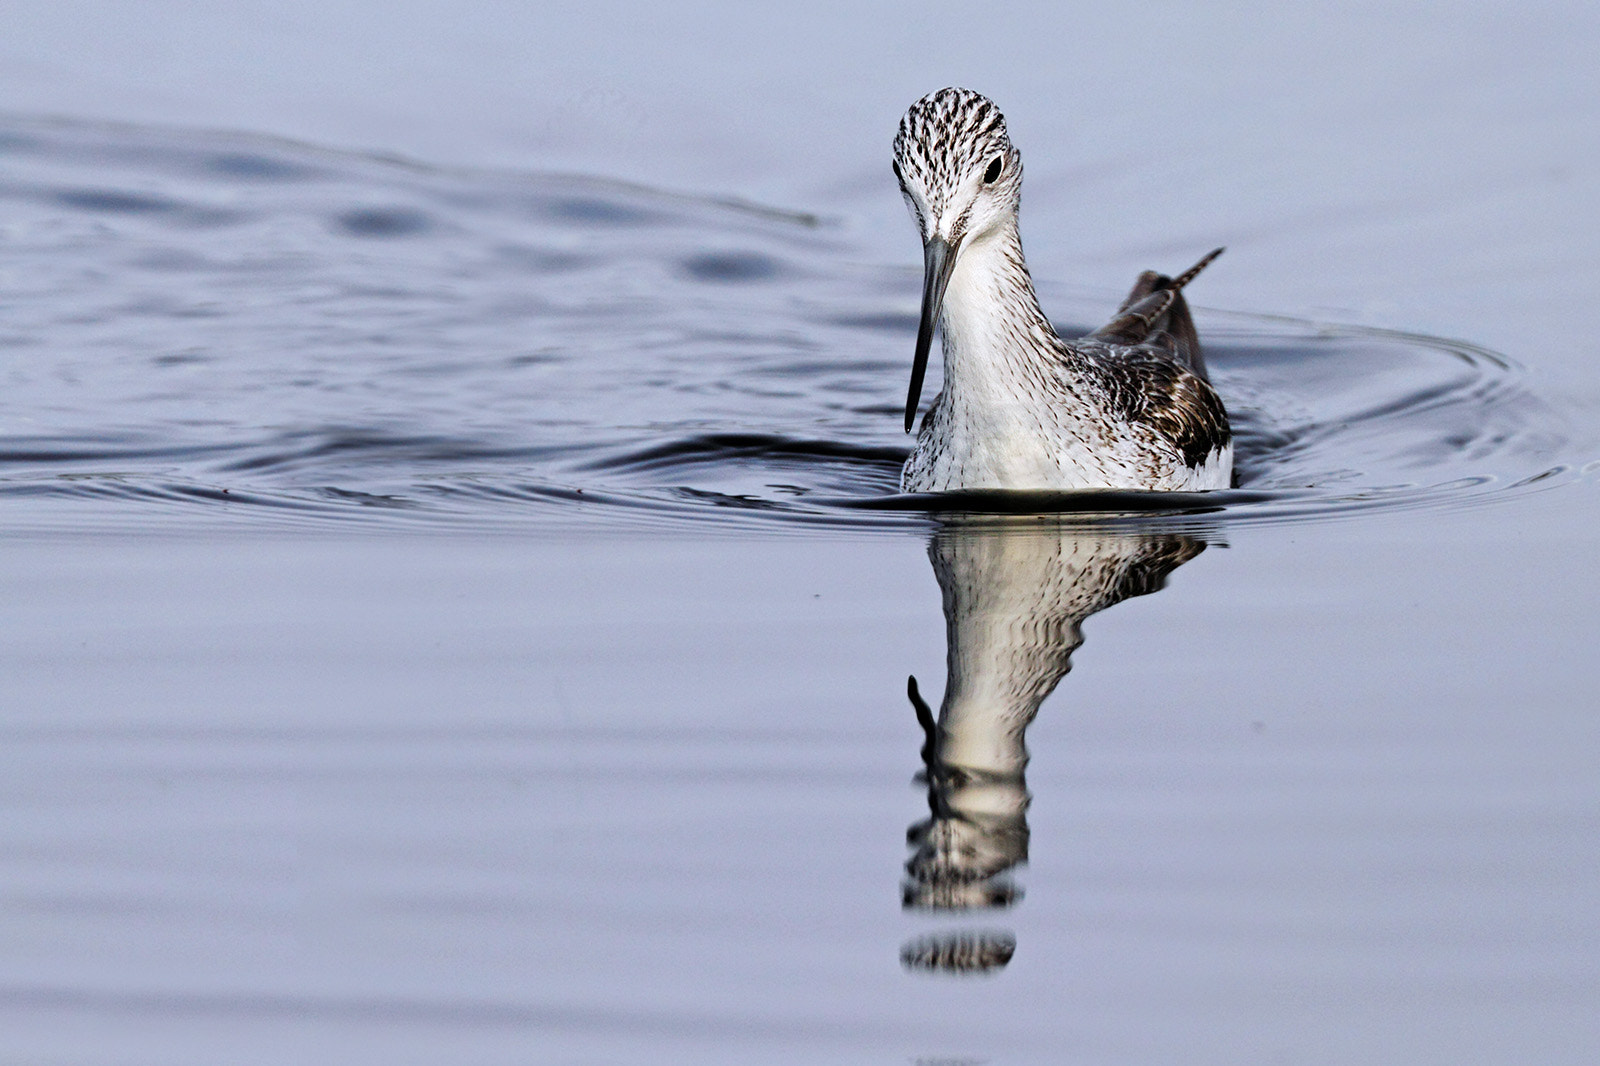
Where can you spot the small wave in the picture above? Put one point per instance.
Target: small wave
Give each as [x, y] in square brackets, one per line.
[719, 448]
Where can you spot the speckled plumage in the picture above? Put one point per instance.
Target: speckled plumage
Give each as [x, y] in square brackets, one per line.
[1127, 407]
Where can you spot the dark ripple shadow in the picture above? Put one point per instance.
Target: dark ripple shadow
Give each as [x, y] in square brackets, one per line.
[343, 448]
[731, 267]
[135, 488]
[466, 1013]
[116, 201]
[757, 448]
[24, 451]
[595, 211]
[256, 166]
[383, 222]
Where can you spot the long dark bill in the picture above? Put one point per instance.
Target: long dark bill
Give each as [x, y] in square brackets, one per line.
[938, 260]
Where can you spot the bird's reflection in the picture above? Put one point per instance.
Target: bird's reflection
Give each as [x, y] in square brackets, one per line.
[1014, 600]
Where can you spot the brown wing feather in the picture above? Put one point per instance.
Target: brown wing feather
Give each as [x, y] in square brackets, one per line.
[1145, 385]
[1149, 318]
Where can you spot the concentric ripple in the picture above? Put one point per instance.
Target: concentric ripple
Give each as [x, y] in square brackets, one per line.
[216, 329]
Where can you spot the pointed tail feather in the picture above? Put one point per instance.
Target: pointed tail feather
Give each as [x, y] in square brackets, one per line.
[1164, 322]
[1189, 275]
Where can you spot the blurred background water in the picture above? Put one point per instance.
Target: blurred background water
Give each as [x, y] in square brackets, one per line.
[455, 605]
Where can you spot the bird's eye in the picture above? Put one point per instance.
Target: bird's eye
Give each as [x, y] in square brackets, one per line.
[993, 172]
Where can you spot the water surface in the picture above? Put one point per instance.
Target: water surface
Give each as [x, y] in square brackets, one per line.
[457, 614]
[213, 324]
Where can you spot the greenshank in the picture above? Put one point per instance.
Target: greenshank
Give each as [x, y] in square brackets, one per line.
[1128, 406]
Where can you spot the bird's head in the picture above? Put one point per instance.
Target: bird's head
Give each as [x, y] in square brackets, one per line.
[962, 180]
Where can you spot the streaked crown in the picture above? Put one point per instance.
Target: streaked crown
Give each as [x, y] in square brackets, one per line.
[948, 136]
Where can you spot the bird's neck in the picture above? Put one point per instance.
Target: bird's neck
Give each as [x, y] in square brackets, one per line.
[1012, 606]
[990, 319]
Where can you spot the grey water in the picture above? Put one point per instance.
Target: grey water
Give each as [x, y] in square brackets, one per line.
[466, 614]
[491, 347]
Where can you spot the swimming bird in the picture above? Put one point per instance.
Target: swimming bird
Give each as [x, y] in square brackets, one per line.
[1127, 407]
